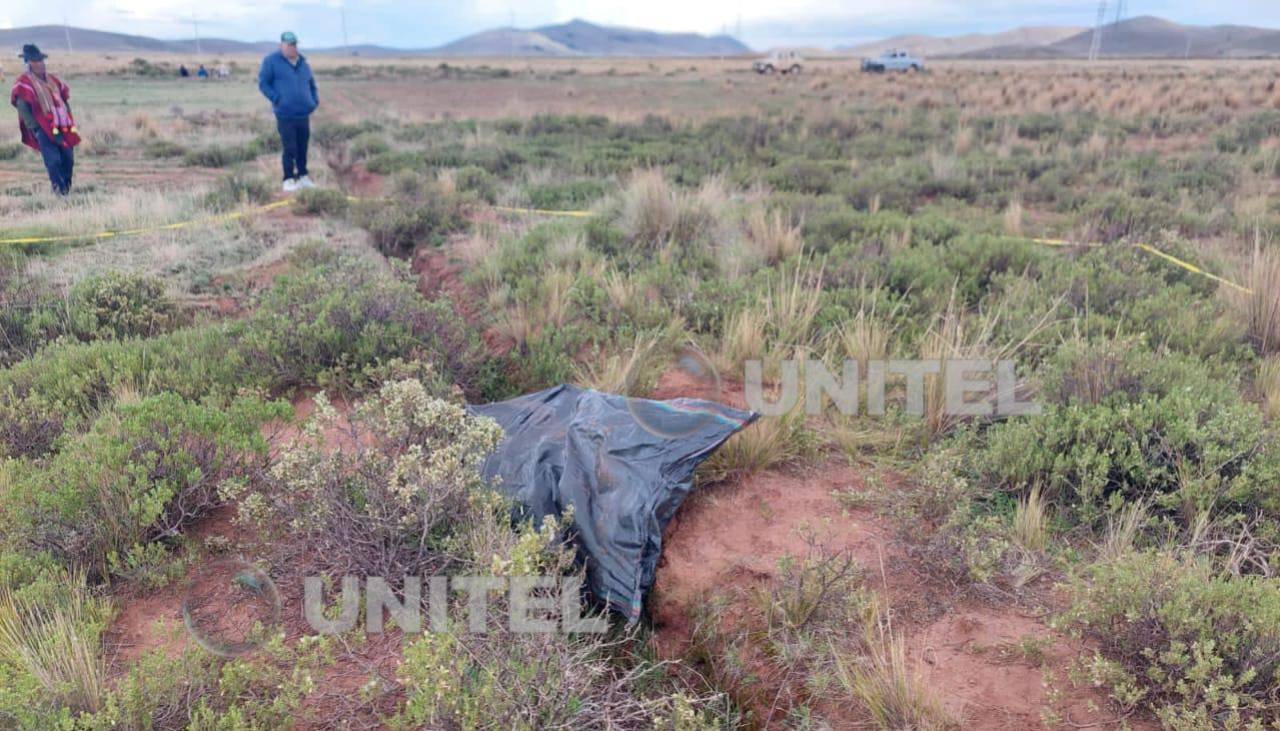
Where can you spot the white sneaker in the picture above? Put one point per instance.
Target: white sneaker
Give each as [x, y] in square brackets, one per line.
[290, 185]
[305, 182]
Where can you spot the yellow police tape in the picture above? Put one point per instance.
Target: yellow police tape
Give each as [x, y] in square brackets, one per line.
[544, 212]
[1153, 251]
[540, 212]
[147, 229]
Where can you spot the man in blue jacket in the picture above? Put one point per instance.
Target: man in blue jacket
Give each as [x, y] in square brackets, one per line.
[285, 79]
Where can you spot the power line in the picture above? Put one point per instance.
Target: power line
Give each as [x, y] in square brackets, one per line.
[1095, 49]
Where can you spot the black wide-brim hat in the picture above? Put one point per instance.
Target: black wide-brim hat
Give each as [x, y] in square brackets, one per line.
[32, 52]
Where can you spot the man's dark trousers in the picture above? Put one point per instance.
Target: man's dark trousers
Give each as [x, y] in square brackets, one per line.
[59, 161]
[294, 135]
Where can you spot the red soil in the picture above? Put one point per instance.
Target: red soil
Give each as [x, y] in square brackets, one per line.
[439, 276]
[730, 538]
[725, 538]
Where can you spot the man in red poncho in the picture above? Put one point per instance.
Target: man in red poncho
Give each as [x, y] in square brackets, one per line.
[44, 117]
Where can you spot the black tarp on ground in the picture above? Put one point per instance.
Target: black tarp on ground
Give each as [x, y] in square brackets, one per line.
[624, 464]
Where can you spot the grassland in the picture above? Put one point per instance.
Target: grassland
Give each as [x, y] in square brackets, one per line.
[1109, 562]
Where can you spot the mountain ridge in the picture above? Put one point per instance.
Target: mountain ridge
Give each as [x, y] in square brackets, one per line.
[1139, 37]
[574, 38]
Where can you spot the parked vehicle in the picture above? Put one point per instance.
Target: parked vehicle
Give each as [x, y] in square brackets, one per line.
[893, 61]
[787, 62]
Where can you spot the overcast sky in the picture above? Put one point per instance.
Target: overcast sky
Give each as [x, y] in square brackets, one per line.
[759, 23]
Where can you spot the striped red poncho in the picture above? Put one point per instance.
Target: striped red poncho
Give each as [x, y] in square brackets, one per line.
[48, 101]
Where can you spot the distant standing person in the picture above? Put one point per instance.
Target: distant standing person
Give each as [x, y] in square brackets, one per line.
[286, 80]
[202, 72]
[44, 117]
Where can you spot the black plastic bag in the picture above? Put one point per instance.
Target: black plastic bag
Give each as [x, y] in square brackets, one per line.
[624, 464]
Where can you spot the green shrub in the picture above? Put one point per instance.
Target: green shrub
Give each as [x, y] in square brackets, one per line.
[161, 148]
[397, 228]
[236, 190]
[478, 181]
[120, 305]
[1247, 134]
[972, 264]
[321, 202]
[804, 176]
[336, 321]
[198, 691]
[407, 487]
[1199, 648]
[572, 195]
[28, 428]
[1130, 424]
[1039, 126]
[141, 473]
[30, 312]
[368, 144]
[328, 134]
[385, 163]
[219, 156]
[330, 321]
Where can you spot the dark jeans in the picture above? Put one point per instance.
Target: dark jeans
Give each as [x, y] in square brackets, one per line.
[58, 160]
[294, 134]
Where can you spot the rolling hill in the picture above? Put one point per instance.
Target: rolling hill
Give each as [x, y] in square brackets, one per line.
[1140, 37]
[575, 38]
[1028, 37]
[1152, 37]
[52, 39]
[580, 38]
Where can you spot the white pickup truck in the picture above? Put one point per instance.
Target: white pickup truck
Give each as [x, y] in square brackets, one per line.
[893, 61]
[787, 62]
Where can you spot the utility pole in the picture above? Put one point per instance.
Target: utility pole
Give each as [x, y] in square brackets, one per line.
[1119, 11]
[342, 9]
[195, 25]
[66, 29]
[1096, 48]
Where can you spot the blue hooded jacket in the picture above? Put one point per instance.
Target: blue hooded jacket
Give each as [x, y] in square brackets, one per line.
[290, 87]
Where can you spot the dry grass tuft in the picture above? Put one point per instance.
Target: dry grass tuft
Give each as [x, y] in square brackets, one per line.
[1122, 531]
[1268, 386]
[1013, 217]
[743, 339]
[792, 306]
[884, 684]
[55, 643]
[867, 335]
[632, 372]
[1030, 523]
[770, 442]
[772, 237]
[1262, 306]
[656, 215]
[649, 208]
